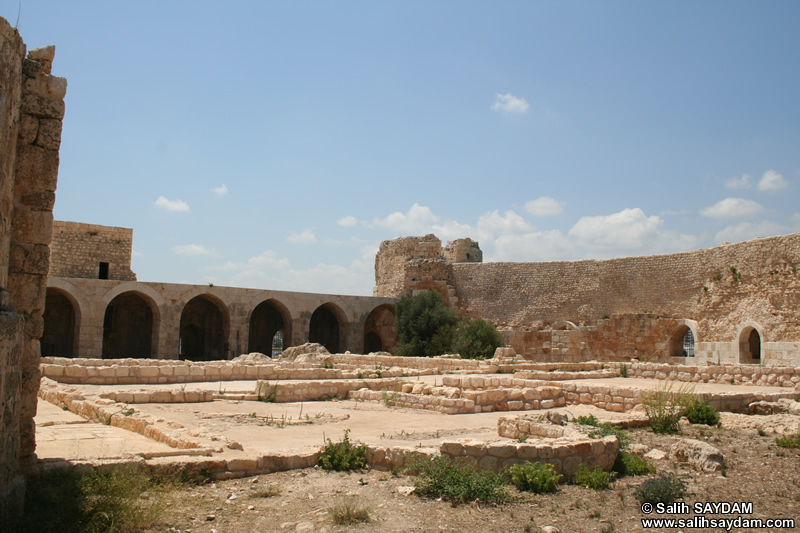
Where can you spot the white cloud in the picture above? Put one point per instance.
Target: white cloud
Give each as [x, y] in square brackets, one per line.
[510, 222]
[744, 231]
[306, 237]
[451, 230]
[222, 190]
[267, 270]
[418, 220]
[177, 206]
[508, 103]
[347, 222]
[732, 208]
[739, 183]
[535, 246]
[544, 206]
[771, 181]
[627, 230]
[193, 250]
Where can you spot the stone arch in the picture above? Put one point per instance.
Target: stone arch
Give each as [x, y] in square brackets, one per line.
[268, 319]
[683, 340]
[379, 332]
[327, 327]
[61, 324]
[128, 326]
[751, 338]
[204, 329]
[566, 325]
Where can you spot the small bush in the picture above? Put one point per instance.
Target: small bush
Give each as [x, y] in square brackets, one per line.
[596, 479]
[627, 464]
[665, 407]
[701, 412]
[534, 477]
[604, 429]
[342, 456]
[270, 491]
[791, 441]
[457, 481]
[476, 339]
[349, 511]
[666, 489]
[623, 370]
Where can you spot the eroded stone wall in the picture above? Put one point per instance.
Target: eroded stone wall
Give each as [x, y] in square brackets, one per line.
[619, 308]
[79, 249]
[31, 110]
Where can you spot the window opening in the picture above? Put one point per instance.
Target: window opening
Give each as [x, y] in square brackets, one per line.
[688, 344]
[103, 270]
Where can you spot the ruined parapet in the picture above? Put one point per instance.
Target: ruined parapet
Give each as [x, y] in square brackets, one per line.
[412, 264]
[31, 110]
[463, 251]
[91, 251]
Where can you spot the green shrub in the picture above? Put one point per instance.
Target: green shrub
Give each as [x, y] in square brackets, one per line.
[534, 477]
[476, 339]
[342, 456]
[627, 464]
[585, 420]
[790, 441]
[596, 479]
[701, 412]
[418, 319]
[604, 429]
[623, 370]
[665, 407]
[457, 481]
[666, 489]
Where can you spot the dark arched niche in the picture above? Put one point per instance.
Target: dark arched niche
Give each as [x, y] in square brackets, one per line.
[203, 332]
[325, 327]
[60, 325]
[128, 327]
[267, 320]
[379, 332]
[749, 345]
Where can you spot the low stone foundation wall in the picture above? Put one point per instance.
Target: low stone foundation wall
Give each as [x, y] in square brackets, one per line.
[776, 376]
[564, 447]
[161, 371]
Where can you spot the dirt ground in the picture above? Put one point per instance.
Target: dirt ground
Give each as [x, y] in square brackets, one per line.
[757, 471]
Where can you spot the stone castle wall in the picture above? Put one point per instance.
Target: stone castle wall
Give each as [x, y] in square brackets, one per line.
[698, 285]
[31, 110]
[620, 308]
[79, 249]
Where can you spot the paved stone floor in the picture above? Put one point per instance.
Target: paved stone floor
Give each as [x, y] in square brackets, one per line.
[267, 428]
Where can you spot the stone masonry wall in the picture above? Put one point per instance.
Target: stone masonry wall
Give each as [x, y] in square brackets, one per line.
[78, 249]
[31, 109]
[698, 285]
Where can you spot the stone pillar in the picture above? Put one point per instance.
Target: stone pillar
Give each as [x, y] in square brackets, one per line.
[36, 175]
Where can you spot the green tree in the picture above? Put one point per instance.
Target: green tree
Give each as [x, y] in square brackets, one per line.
[418, 319]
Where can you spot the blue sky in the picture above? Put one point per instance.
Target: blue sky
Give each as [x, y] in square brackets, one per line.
[275, 145]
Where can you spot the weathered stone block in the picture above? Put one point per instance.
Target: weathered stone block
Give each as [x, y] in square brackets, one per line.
[42, 106]
[49, 135]
[29, 259]
[37, 168]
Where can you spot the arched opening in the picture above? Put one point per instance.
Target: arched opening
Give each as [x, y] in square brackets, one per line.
[681, 342]
[268, 321]
[325, 328]
[565, 325]
[203, 330]
[749, 345]
[60, 325]
[379, 332]
[128, 327]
